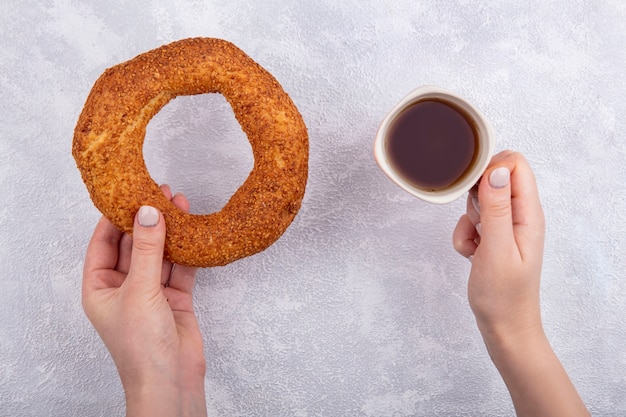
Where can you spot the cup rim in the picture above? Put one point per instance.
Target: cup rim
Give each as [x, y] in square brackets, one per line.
[485, 132]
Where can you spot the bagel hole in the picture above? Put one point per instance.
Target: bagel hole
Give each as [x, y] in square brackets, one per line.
[196, 145]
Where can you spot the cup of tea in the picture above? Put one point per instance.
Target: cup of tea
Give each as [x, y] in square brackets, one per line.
[434, 144]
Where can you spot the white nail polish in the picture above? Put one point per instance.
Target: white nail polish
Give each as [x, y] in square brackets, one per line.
[499, 177]
[148, 216]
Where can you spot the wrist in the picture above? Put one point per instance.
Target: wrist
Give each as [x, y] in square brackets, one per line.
[518, 331]
[165, 398]
[506, 346]
[164, 392]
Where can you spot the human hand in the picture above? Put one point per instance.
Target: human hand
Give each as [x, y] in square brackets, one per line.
[141, 305]
[503, 234]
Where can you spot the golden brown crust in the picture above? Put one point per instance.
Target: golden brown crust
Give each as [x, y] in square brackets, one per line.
[109, 135]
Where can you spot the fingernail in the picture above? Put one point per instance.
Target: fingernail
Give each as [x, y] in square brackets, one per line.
[479, 228]
[148, 216]
[476, 204]
[470, 258]
[499, 177]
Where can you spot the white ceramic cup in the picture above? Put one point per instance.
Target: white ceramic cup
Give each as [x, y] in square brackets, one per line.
[486, 144]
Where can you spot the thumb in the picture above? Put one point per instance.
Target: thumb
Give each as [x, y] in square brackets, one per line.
[496, 218]
[148, 241]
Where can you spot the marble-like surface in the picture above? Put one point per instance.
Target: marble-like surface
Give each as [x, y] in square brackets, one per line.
[360, 308]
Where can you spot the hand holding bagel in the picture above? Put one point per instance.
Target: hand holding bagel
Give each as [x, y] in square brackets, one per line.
[142, 308]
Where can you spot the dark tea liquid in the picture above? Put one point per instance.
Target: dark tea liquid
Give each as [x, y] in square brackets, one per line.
[432, 143]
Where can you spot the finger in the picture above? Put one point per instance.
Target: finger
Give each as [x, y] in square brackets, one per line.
[183, 278]
[495, 209]
[167, 191]
[166, 272]
[103, 249]
[181, 202]
[464, 237]
[523, 210]
[525, 202]
[528, 217]
[126, 246]
[100, 259]
[179, 301]
[126, 243]
[147, 252]
[472, 207]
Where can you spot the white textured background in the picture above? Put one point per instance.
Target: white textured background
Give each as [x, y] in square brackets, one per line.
[360, 309]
